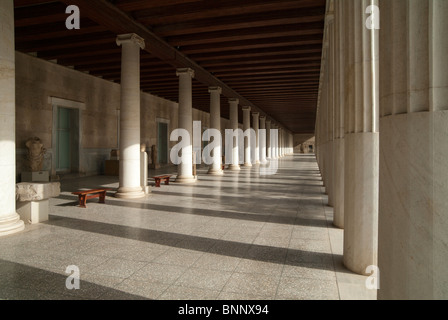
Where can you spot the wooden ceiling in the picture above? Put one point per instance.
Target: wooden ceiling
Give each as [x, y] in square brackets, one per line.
[267, 53]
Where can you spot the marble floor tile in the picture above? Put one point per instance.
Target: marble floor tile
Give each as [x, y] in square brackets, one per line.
[241, 236]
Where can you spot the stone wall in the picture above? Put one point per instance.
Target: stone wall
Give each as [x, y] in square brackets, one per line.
[302, 143]
[38, 81]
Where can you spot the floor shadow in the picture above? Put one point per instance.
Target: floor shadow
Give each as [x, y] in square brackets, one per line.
[293, 257]
[246, 216]
[22, 282]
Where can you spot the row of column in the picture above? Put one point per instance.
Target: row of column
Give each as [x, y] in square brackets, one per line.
[129, 178]
[388, 187]
[129, 185]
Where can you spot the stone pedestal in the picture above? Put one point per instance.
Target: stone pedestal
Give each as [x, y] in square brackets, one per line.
[32, 200]
[40, 176]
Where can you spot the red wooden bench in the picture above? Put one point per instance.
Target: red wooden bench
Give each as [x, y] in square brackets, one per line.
[163, 178]
[83, 195]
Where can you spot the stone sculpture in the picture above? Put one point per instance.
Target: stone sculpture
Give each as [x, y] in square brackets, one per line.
[36, 151]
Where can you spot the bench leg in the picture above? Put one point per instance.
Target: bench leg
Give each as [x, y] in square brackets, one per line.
[82, 200]
[102, 197]
[167, 181]
[157, 183]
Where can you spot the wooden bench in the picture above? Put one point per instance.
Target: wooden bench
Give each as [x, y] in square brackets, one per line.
[159, 179]
[83, 195]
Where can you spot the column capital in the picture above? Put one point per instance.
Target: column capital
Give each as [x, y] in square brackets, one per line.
[234, 100]
[263, 118]
[215, 90]
[189, 71]
[255, 114]
[131, 38]
[246, 108]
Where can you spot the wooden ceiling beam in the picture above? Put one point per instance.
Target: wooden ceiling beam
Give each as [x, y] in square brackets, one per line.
[118, 22]
[241, 21]
[196, 11]
[254, 44]
[300, 29]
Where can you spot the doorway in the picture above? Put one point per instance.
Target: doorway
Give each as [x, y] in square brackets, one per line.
[67, 141]
[162, 143]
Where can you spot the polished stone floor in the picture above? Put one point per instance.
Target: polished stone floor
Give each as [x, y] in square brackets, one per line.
[240, 236]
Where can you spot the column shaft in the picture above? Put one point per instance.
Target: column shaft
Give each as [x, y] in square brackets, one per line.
[215, 123]
[413, 210]
[268, 139]
[246, 129]
[256, 125]
[234, 126]
[262, 140]
[185, 168]
[361, 143]
[129, 186]
[9, 220]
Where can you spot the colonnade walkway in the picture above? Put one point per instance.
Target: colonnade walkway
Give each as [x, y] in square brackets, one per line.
[239, 236]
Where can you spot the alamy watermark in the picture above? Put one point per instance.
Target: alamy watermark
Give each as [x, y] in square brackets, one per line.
[373, 21]
[373, 281]
[74, 20]
[73, 280]
[183, 151]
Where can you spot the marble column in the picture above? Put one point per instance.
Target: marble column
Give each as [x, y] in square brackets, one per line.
[129, 185]
[338, 143]
[268, 139]
[262, 140]
[256, 125]
[246, 129]
[9, 219]
[280, 142]
[413, 206]
[233, 102]
[274, 142]
[185, 168]
[361, 141]
[330, 108]
[215, 123]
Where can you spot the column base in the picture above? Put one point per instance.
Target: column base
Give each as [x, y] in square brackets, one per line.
[248, 165]
[234, 167]
[215, 172]
[11, 224]
[186, 179]
[129, 193]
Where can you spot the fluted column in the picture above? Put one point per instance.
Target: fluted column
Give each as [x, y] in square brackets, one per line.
[9, 220]
[361, 141]
[246, 128]
[280, 142]
[234, 126]
[262, 140]
[274, 142]
[413, 206]
[268, 139]
[256, 125]
[129, 185]
[215, 123]
[330, 109]
[338, 143]
[185, 168]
